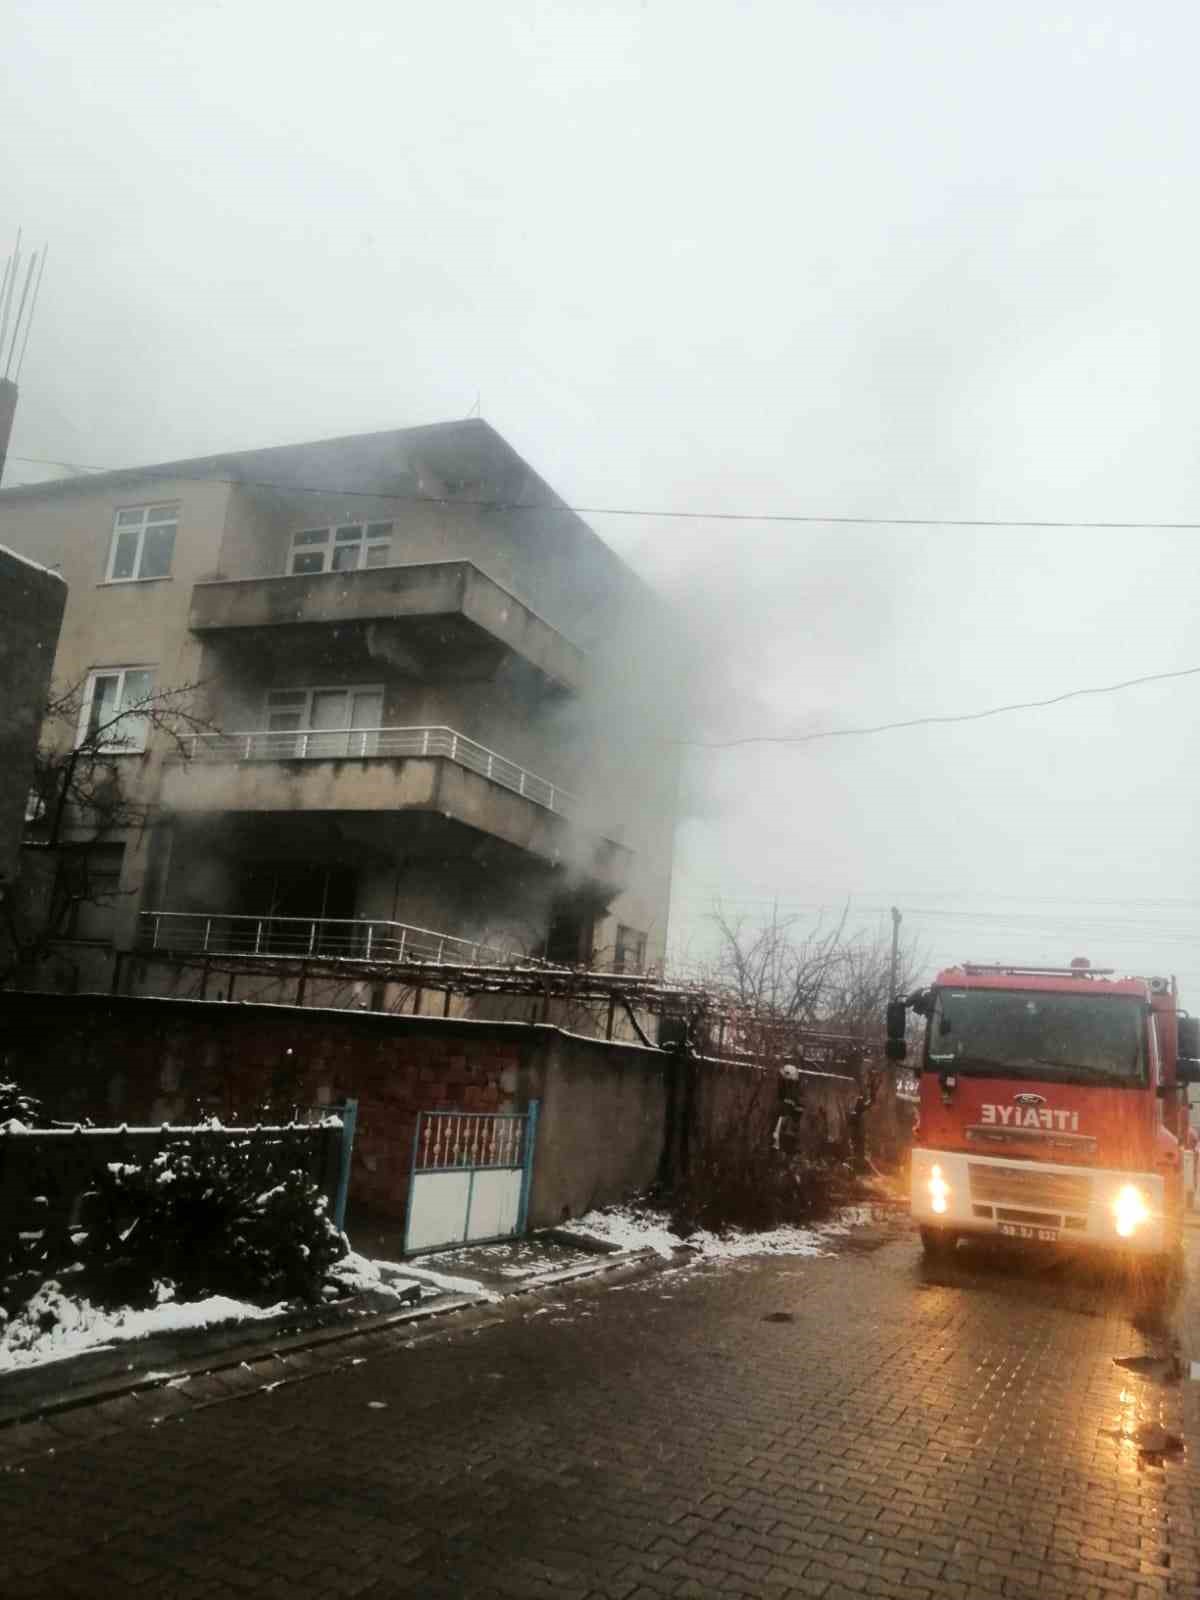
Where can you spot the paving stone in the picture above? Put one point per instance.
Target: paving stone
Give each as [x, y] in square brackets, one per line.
[906, 1437]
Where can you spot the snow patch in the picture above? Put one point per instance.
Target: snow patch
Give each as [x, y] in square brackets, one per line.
[28, 561]
[358, 1275]
[441, 1282]
[52, 1325]
[651, 1230]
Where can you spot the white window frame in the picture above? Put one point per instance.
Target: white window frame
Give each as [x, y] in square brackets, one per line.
[139, 528]
[316, 742]
[310, 691]
[133, 736]
[324, 541]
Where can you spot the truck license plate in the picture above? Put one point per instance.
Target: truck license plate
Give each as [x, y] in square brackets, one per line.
[1018, 1230]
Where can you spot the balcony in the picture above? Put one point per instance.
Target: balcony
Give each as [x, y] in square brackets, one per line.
[429, 769]
[433, 611]
[366, 744]
[329, 938]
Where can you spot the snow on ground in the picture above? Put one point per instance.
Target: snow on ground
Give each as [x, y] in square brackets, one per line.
[54, 1325]
[651, 1230]
[359, 1275]
[517, 1258]
[438, 1282]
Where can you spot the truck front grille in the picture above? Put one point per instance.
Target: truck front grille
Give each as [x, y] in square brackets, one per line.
[1028, 1189]
[1037, 1219]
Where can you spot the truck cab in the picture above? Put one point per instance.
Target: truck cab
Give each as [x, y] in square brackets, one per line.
[1052, 1108]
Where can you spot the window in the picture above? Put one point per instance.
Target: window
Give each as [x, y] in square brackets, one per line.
[108, 718]
[327, 723]
[631, 950]
[1046, 1035]
[346, 548]
[143, 543]
[568, 941]
[89, 889]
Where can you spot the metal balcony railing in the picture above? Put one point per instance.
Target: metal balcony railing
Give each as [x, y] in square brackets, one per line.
[350, 938]
[363, 744]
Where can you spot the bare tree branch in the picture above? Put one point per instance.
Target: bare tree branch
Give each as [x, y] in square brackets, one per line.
[80, 800]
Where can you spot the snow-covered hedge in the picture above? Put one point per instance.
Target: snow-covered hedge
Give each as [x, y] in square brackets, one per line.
[17, 1106]
[198, 1215]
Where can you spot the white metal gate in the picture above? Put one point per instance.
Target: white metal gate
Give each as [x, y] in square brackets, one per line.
[470, 1179]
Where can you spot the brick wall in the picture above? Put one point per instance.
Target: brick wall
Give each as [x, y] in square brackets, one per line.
[132, 1059]
[607, 1109]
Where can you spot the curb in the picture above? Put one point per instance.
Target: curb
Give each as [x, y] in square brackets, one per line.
[315, 1338]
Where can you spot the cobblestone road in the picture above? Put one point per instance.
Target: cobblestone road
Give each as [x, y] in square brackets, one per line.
[833, 1428]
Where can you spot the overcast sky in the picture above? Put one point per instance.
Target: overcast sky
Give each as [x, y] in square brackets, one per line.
[890, 259]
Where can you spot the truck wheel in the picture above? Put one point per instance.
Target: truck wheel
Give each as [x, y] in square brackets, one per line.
[938, 1244]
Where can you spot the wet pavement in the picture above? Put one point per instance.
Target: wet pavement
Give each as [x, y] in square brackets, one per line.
[834, 1427]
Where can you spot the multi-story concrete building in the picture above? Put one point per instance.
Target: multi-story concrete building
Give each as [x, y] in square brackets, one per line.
[428, 700]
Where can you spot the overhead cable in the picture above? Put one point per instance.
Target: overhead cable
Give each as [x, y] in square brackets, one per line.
[924, 722]
[668, 513]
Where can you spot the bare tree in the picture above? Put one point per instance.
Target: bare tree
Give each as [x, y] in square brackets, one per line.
[860, 983]
[82, 799]
[772, 970]
[784, 976]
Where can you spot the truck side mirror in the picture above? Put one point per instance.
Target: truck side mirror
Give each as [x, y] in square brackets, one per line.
[1189, 1036]
[896, 1050]
[897, 1020]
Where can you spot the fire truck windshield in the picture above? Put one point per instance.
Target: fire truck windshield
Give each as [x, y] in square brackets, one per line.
[1062, 1038]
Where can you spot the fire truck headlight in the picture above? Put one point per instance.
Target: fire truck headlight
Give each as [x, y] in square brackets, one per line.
[939, 1191]
[1130, 1210]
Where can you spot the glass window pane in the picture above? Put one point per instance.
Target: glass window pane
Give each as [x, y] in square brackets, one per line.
[378, 555]
[353, 531]
[345, 557]
[367, 708]
[125, 555]
[138, 685]
[130, 519]
[330, 708]
[163, 514]
[288, 697]
[312, 536]
[105, 690]
[309, 563]
[378, 530]
[284, 721]
[157, 549]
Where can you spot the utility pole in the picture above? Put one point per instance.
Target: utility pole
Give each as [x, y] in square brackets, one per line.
[897, 919]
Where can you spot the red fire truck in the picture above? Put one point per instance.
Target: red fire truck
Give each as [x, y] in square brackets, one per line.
[1052, 1107]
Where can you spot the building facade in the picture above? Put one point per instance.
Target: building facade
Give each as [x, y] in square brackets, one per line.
[396, 700]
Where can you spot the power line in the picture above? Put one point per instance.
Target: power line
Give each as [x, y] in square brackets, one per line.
[925, 722]
[730, 516]
[803, 910]
[665, 513]
[893, 895]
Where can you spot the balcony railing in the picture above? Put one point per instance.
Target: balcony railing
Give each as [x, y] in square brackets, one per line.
[348, 938]
[363, 744]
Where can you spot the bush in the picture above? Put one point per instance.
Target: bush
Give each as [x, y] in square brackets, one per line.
[724, 1190]
[735, 1176]
[16, 1105]
[199, 1216]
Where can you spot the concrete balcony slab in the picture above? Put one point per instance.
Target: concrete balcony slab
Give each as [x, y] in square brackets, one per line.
[433, 607]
